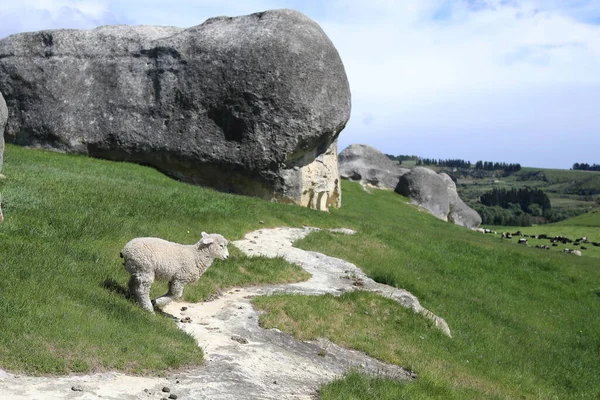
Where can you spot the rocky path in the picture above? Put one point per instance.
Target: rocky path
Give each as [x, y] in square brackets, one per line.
[243, 361]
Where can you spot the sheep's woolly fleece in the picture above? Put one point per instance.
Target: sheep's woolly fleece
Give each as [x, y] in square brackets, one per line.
[243, 360]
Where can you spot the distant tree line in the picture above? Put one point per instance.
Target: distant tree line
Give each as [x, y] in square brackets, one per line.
[452, 163]
[402, 157]
[517, 207]
[512, 216]
[479, 165]
[494, 166]
[586, 167]
[524, 197]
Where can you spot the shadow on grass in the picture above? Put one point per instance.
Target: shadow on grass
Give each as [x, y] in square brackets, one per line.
[113, 286]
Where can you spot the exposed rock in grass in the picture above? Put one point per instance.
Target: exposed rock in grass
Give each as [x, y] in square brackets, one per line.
[426, 189]
[270, 364]
[459, 212]
[369, 166]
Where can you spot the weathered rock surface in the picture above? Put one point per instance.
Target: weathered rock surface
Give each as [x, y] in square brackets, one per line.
[369, 166]
[3, 119]
[460, 213]
[251, 104]
[427, 189]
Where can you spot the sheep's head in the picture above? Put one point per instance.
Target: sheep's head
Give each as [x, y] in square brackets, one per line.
[216, 244]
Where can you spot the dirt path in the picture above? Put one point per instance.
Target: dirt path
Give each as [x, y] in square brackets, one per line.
[243, 361]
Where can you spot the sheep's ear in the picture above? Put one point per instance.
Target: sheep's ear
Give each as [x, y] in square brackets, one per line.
[204, 234]
[207, 240]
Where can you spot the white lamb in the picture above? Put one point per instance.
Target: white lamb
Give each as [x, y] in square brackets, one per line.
[148, 258]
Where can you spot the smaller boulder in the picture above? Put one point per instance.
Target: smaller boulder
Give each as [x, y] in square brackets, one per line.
[427, 189]
[460, 213]
[369, 166]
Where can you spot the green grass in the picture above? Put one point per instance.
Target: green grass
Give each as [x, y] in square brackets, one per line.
[586, 225]
[591, 219]
[63, 291]
[525, 324]
[520, 318]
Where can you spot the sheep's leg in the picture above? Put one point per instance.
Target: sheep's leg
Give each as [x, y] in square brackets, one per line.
[141, 290]
[175, 292]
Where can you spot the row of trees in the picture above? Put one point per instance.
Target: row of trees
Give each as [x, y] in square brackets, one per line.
[452, 163]
[512, 216]
[532, 201]
[494, 166]
[402, 157]
[515, 216]
[480, 165]
[586, 167]
[518, 207]
[459, 163]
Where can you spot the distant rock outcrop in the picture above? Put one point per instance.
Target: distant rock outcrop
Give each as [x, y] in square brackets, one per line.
[460, 213]
[3, 118]
[437, 193]
[251, 104]
[426, 189]
[366, 164]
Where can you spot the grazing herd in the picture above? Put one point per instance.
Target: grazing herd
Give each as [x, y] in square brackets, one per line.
[554, 241]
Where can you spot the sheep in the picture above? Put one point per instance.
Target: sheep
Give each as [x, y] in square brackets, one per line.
[147, 258]
[570, 251]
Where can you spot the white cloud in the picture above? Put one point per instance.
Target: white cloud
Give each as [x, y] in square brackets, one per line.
[466, 71]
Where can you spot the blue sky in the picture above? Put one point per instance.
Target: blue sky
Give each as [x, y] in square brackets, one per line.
[498, 80]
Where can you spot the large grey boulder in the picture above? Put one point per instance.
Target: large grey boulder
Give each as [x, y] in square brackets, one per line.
[3, 119]
[427, 189]
[251, 104]
[437, 193]
[366, 164]
[460, 213]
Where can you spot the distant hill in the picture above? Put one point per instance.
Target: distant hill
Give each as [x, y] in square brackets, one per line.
[571, 192]
[591, 219]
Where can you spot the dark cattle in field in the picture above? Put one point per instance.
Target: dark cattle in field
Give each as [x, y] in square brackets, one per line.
[554, 244]
[563, 239]
[522, 241]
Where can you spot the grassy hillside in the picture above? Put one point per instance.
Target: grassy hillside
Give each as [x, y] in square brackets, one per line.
[520, 317]
[525, 323]
[591, 219]
[63, 287]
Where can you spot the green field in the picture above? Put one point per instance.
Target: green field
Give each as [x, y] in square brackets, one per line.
[591, 219]
[525, 323]
[585, 225]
